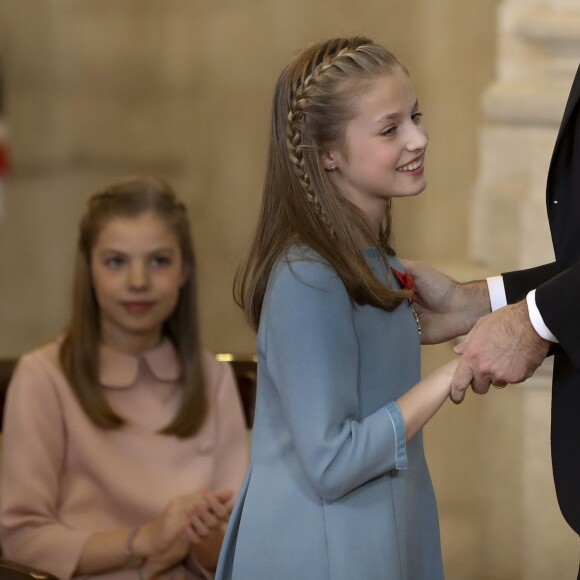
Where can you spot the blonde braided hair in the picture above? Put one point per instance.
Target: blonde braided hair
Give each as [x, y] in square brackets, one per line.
[299, 97]
[313, 102]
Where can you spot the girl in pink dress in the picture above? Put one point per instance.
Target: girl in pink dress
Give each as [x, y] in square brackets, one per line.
[124, 442]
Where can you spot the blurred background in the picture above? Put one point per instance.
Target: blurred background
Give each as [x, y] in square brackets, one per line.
[95, 90]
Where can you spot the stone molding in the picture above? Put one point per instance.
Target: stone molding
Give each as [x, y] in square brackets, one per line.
[538, 54]
[556, 32]
[528, 104]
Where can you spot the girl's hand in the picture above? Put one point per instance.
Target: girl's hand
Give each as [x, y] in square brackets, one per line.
[448, 369]
[208, 519]
[167, 540]
[158, 536]
[421, 402]
[193, 523]
[204, 516]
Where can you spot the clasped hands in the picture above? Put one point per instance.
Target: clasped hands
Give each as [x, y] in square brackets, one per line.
[190, 526]
[500, 347]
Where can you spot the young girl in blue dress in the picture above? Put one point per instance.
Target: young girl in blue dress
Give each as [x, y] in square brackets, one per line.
[338, 487]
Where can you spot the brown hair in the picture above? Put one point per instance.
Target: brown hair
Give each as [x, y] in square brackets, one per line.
[313, 101]
[79, 352]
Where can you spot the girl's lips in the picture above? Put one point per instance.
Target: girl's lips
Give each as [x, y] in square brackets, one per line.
[414, 167]
[417, 171]
[138, 307]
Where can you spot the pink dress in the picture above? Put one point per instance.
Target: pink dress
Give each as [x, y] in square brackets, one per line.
[63, 478]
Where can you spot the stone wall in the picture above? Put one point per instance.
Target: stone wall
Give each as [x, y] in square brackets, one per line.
[524, 534]
[104, 88]
[100, 89]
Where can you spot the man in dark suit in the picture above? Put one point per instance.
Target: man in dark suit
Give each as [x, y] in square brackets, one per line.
[543, 314]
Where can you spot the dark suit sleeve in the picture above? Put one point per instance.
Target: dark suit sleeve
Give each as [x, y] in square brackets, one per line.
[558, 301]
[517, 284]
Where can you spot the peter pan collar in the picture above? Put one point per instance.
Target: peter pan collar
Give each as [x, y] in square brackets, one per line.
[119, 369]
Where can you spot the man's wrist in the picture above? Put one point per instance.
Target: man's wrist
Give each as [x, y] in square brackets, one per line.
[524, 315]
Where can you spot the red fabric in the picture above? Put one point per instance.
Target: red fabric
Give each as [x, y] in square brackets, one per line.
[4, 165]
[406, 282]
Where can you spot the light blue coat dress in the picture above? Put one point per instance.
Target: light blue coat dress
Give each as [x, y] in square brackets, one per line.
[333, 491]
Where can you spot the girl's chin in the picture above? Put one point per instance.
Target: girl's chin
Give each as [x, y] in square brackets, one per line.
[412, 193]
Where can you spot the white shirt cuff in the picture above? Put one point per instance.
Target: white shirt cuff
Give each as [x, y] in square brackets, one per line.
[496, 291]
[536, 318]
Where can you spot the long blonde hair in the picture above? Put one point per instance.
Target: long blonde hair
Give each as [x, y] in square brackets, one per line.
[79, 351]
[313, 101]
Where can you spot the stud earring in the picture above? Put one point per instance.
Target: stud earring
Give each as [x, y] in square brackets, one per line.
[332, 166]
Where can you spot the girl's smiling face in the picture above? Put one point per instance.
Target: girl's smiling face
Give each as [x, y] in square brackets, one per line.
[137, 271]
[384, 147]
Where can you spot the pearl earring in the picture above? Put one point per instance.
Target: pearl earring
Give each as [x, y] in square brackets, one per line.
[332, 166]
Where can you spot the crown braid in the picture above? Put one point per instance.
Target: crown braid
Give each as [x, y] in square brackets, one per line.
[299, 98]
[299, 166]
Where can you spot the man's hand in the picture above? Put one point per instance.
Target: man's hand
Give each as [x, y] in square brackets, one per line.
[502, 348]
[446, 308]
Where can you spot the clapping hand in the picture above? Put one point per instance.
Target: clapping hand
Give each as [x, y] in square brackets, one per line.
[207, 521]
[206, 514]
[190, 524]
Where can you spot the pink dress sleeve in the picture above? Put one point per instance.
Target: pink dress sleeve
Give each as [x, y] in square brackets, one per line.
[32, 457]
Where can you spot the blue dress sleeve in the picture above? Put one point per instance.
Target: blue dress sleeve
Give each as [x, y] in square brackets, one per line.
[312, 353]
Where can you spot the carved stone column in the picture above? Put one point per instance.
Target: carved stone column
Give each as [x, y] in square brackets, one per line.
[538, 53]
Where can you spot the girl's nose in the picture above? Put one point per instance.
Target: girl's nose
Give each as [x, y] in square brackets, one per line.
[418, 138]
[138, 277]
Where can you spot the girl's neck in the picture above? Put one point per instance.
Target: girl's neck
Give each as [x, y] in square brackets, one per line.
[368, 238]
[134, 344]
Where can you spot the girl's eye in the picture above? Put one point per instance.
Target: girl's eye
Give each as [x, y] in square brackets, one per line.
[417, 117]
[390, 132]
[160, 261]
[114, 262]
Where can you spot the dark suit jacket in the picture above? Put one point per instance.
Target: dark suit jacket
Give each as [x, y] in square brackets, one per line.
[558, 300]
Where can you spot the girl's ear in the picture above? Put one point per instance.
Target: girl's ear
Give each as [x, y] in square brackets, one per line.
[329, 160]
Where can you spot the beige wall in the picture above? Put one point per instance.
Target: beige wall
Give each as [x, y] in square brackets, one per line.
[103, 88]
